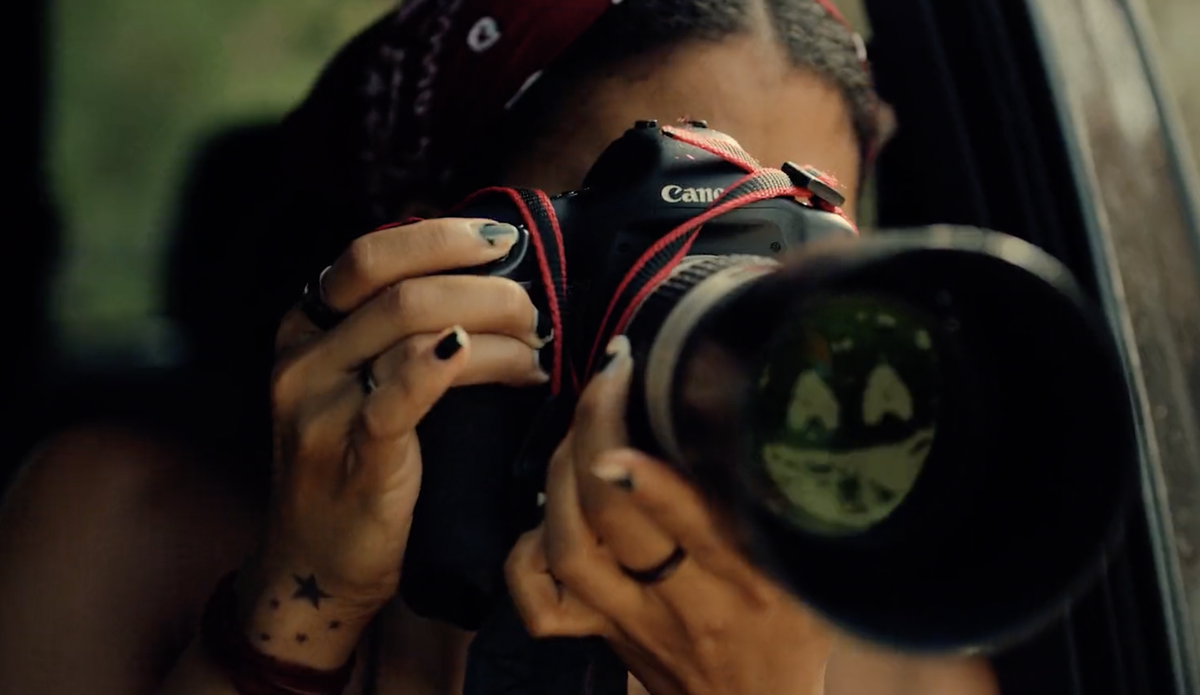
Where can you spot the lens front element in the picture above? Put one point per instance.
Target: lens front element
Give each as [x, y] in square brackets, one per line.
[846, 413]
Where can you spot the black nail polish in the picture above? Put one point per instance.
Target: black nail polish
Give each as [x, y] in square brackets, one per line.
[545, 327]
[448, 347]
[495, 233]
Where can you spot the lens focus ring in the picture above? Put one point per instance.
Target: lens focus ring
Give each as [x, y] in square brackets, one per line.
[668, 318]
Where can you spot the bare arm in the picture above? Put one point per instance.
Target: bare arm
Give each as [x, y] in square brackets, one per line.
[294, 620]
[859, 669]
[110, 542]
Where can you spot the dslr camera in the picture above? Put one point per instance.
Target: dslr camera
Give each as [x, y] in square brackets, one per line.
[925, 434]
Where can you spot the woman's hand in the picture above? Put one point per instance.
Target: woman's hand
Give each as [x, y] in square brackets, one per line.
[712, 625]
[347, 462]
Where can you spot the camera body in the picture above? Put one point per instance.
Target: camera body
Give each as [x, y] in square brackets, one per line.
[645, 184]
[482, 472]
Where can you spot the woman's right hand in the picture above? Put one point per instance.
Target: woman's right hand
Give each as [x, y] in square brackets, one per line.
[347, 463]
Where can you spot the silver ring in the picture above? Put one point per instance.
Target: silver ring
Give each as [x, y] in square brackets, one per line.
[312, 303]
[321, 282]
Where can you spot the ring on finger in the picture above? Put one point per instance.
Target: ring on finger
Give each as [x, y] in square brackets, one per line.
[660, 572]
[314, 306]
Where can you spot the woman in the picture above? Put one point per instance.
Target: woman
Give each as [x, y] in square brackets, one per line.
[112, 541]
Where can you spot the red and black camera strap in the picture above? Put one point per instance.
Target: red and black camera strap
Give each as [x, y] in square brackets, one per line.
[661, 259]
[545, 234]
[656, 264]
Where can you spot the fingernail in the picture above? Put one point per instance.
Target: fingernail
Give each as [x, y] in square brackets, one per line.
[618, 349]
[543, 377]
[614, 474]
[497, 234]
[543, 327]
[450, 345]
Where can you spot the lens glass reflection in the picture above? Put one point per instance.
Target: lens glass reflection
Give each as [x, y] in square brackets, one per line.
[845, 413]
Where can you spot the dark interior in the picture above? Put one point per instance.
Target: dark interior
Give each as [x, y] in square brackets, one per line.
[980, 145]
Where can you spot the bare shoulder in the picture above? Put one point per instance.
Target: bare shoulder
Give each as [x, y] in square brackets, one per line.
[110, 541]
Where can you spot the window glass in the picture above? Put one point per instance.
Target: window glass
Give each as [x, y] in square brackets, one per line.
[1175, 23]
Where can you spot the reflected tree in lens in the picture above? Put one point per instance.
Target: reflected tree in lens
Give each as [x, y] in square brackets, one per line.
[846, 413]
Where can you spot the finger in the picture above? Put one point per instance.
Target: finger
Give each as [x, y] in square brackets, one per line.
[572, 551]
[295, 331]
[547, 608]
[494, 359]
[672, 506]
[600, 416]
[385, 257]
[479, 304]
[634, 540]
[398, 404]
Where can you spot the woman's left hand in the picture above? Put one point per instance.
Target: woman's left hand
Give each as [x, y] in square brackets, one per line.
[711, 624]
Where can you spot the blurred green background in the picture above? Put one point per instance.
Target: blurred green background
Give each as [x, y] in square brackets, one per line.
[136, 86]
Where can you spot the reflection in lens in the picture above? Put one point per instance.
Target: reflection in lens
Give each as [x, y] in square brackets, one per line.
[846, 412]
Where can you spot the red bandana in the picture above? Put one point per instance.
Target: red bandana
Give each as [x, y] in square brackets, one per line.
[415, 93]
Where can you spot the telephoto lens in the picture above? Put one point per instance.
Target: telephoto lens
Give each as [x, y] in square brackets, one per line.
[926, 435]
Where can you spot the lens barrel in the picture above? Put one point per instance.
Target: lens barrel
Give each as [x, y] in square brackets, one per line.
[926, 435]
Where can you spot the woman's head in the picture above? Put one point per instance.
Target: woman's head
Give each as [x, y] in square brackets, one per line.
[451, 95]
[785, 77]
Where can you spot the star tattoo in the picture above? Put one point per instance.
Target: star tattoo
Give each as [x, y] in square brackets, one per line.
[308, 589]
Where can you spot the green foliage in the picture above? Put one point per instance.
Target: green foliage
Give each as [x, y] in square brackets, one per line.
[135, 86]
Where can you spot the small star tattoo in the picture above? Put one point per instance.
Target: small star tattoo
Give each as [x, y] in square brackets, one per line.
[274, 603]
[265, 637]
[301, 637]
[334, 624]
[307, 588]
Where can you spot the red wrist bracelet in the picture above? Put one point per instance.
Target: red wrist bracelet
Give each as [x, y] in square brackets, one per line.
[250, 671]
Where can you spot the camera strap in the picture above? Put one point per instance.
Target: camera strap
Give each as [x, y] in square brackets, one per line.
[503, 657]
[661, 259]
[538, 216]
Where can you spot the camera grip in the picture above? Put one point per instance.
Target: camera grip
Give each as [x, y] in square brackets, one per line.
[463, 523]
[463, 527]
